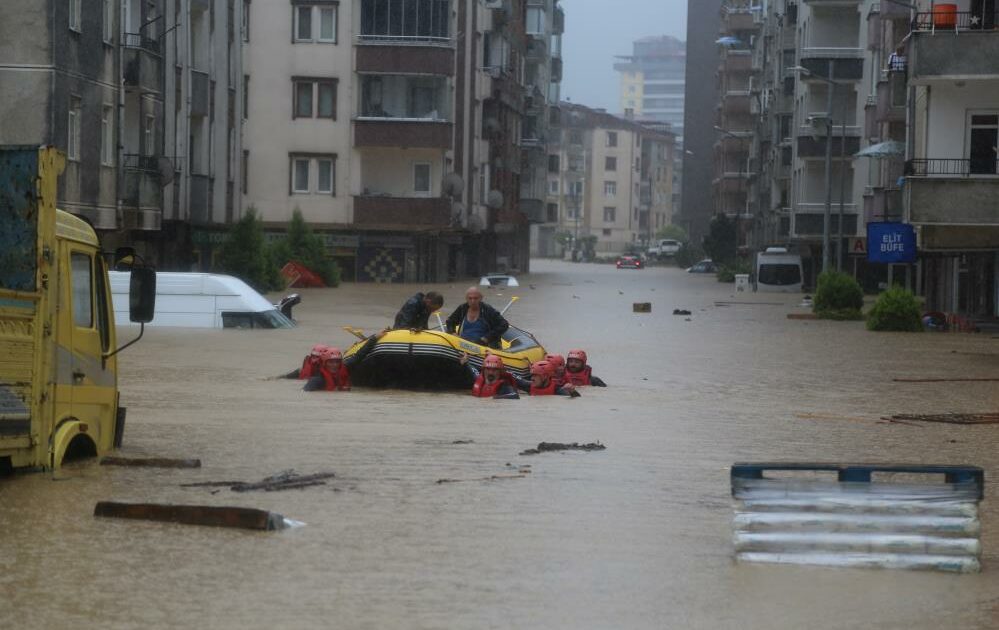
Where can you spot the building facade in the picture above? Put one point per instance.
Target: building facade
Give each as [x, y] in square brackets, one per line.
[613, 178]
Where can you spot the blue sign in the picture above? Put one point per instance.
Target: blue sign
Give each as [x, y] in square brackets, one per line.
[891, 243]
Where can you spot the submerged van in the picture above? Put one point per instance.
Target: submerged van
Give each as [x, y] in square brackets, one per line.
[778, 270]
[201, 300]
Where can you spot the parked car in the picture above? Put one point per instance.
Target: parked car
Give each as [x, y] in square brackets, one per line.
[703, 266]
[498, 280]
[629, 261]
[664, 248]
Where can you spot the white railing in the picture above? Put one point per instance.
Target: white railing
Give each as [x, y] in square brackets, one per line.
[830, 52]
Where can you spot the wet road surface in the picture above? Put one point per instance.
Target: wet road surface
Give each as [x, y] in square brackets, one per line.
[636, 536]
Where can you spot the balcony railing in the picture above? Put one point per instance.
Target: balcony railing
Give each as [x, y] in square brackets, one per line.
[952, 21]
[928, 167]
[832, 52]
[406, 40]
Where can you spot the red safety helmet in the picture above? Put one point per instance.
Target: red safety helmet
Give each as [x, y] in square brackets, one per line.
[318, 350]
[556, 360]
[578, 354]
[333, 354]
[542, 367]
[492, 361]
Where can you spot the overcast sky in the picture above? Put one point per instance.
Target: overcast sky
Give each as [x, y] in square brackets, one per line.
[596, 30]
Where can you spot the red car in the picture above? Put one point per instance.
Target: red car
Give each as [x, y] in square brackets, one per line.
[629, 262]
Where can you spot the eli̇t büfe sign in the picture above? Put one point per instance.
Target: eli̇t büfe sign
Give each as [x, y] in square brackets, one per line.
[891, 243]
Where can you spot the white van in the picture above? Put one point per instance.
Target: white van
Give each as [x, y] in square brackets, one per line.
[200, 300]
[777, 270]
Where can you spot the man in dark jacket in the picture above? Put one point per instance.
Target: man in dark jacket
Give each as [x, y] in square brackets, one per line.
[415, 313]
[478, 322]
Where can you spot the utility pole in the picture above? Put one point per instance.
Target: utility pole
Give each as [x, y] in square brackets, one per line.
[827, 214]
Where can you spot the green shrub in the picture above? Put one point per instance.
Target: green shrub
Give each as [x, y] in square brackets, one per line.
[674, 232]
[838, 296]
[245, 255]
[304, 246]
[727, 273]
[895, 310]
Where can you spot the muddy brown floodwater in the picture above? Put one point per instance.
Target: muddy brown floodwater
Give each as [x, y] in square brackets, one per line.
[634, 536]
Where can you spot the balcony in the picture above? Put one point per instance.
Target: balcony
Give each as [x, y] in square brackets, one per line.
[413, 58]
[892, 98]
[422, 212]
[738, 19]
[736, 102]
[737, 60]
[882, 204]
[846, 63]
[200, 86]
[810, 148]
[962, 51]
[556, 70]
[142, 194]
[811, 225]
[200, 199]
[394, 132]
[952, 191]
[141, 64]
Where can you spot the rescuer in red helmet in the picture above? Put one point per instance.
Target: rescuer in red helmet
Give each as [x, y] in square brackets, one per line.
[578, 372]
[312, 362]
[332, 373]
[493, 381]
[558, 363]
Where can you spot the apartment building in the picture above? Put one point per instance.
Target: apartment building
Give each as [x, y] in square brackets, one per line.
[141, 95]
[400, 129]
[615, 179]
[694, 210]
[652, 80]
[951, 176]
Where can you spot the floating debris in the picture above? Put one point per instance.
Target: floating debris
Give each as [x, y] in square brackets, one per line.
[946, 418]
[642, 307]
[463, 442]
[681, 311]
[545, 447]
[151, 462]
[945, 380]
[285, 480]
[214, 516]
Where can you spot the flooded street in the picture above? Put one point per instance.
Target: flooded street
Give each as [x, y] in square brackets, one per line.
[636, 536]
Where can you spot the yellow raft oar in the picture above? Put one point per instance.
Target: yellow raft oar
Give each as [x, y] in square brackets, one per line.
[357, 332]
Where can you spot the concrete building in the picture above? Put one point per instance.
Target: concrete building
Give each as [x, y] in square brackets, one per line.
[142, 97]
[652, 80]
[951, 185]
[399, 128]
[700, 102]
[614, 178]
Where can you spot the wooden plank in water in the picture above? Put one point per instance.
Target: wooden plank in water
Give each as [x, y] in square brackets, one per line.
[213, 516]
[642, 307]
[151, 462]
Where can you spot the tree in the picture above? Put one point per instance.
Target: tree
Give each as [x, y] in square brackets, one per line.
[245, 255]
[304, 246]
[720, 243]
[671, 231]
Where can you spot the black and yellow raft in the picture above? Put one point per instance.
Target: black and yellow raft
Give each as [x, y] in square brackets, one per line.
[429, 359]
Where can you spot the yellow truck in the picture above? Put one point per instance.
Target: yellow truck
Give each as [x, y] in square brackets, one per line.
[58, 364]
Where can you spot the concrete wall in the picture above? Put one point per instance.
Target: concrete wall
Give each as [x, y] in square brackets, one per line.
[947, 107]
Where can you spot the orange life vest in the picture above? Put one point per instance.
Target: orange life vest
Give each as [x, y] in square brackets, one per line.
[340, 380]
[482, 389]
[579, 378]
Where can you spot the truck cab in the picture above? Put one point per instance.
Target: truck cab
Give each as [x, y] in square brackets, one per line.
[58, 364]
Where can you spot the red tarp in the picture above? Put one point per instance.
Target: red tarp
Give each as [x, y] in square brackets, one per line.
[300, 276]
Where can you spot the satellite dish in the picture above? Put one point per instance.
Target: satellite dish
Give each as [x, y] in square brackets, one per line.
[494, 199]
[453, 185]
[165, 167]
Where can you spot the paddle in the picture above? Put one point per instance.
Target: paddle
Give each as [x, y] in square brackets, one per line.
[509, 304]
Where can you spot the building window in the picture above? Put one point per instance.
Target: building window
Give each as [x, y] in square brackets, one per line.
[108, 12]
[610, 163]
[73, 132]
[535, 21]
[610, 215]
[244, 172]
[325, 105]
[421, 179]
[82, 283]
[74, 15]
[610, 189]
[553, 187]
[607, 231]
[553, 163]
[246, 96]
[149, 135]
[300, 175]
[612, 138]
[315, 23]
[322, 167]
[107, 135]
[325, 183]
[245, 26]
[404, 19]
